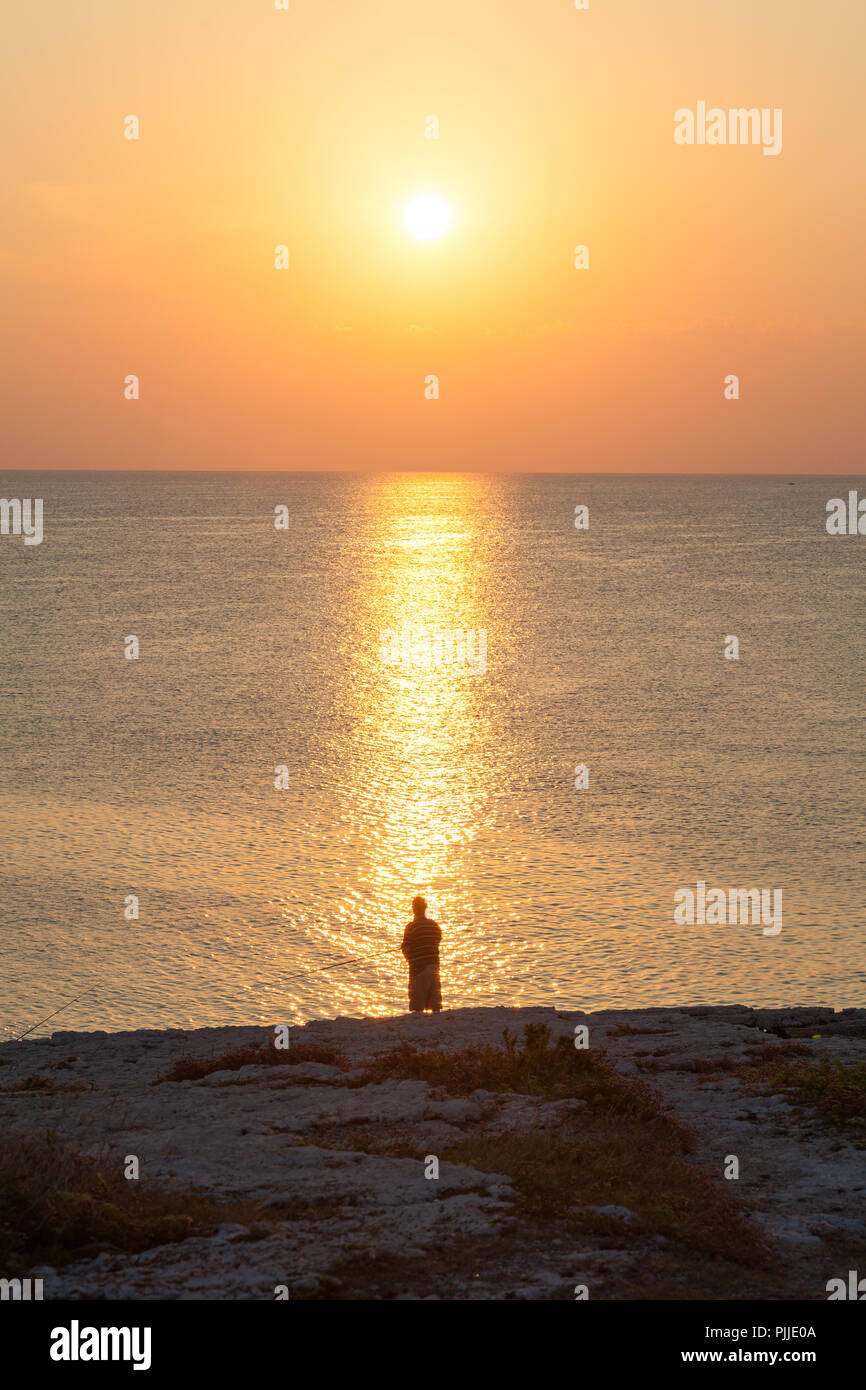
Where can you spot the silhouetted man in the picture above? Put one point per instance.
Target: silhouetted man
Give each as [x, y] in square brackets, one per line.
[421, 949]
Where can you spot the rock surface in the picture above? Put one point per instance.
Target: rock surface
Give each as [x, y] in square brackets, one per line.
[254, 1134]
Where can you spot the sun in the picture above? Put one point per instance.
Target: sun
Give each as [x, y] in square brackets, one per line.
[427, 217]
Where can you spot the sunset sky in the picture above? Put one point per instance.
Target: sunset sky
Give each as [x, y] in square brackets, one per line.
[307, 128]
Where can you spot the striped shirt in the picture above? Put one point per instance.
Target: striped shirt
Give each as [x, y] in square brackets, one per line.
[421, 944]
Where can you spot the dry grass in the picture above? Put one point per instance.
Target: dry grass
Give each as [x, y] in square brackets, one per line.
[562, 1174]
[551, 1070]
[623, 1030]
[38, 1082]
[619, 1149]
[57, 1206]
[489, 1267]
[837, 1090]
[756, 1057]
[263, 1054]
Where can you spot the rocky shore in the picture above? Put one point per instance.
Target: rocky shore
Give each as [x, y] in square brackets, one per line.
[284, 1137]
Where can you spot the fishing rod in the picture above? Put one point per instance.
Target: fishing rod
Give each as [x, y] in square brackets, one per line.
[89, 990]
[336, 965]
[350, 960]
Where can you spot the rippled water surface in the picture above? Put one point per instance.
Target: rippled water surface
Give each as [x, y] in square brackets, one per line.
[261, 647]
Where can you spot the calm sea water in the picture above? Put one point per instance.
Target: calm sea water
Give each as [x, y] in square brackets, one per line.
[260, 648]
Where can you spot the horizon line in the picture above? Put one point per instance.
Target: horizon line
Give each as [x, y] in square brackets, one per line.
[430, 472]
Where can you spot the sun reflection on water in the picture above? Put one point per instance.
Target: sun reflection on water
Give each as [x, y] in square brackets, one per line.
[417, 790]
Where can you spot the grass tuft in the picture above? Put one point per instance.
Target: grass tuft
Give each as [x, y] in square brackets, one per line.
[264, 1054]
[551, 1070]
[837, 1090]
[620, 1149]
[57, 1206]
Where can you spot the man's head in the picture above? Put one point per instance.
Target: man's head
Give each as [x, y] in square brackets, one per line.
[419, 906]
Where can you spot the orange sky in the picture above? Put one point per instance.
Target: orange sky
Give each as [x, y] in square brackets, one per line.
[260, 127]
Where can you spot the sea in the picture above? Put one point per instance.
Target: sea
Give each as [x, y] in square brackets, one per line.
[245, 717]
